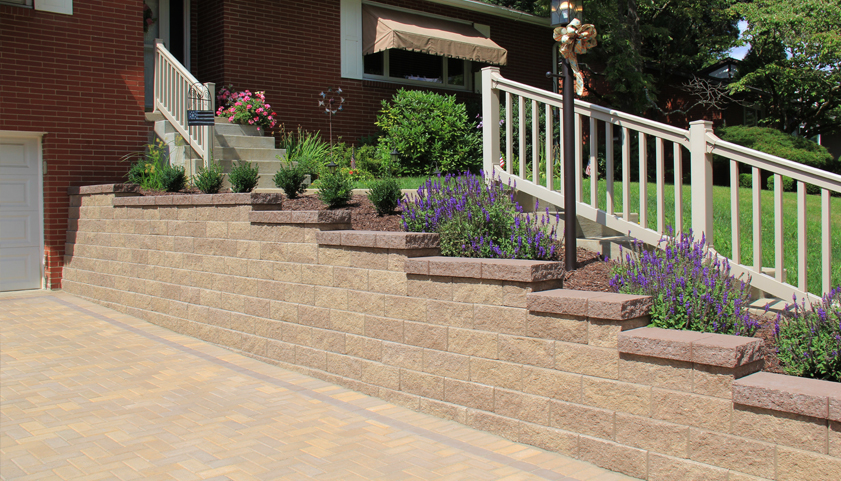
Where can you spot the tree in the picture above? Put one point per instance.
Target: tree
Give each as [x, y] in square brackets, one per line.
[642, 43]
[793, 68]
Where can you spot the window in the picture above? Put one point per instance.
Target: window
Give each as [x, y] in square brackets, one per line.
[416, 67]
[22, 3]
[55, 6]
[398, 45]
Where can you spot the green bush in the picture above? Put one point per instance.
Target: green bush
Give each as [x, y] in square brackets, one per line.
[209, 180]
[305, 149]
[385, 195]
[172, 178]
[429, 129]
[788, 184]
[148, 166]
[335, 189]
[243, 177]
[369, 161]
[781, 144]
[746, 181]
[809, 340]
[290, 178]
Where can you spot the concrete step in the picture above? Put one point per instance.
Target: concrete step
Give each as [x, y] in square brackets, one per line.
[224, 127]
[243, 141]
[775, 306]
[608, 247]
[251, 155]
[264, 183]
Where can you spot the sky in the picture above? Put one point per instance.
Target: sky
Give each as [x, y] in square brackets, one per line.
[740, 52]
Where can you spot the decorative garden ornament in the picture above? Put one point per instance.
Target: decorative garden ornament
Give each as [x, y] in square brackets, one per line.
[575, 40]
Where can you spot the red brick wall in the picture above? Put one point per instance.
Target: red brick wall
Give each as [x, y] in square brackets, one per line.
[80, 79]
[291, 49]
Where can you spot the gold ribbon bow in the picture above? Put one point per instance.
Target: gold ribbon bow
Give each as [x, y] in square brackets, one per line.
[575, 40]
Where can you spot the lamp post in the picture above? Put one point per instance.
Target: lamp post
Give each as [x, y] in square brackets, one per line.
[563, 12]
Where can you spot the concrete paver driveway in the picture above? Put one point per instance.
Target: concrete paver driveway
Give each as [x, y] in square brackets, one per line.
[90, 393]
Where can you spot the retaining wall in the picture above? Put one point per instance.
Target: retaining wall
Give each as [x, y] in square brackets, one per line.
[494, 344]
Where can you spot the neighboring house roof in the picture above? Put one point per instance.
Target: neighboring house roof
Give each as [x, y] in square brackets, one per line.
[494, 10]
[725, 69]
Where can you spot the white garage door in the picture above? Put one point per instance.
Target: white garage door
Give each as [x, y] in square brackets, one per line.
[21, 238]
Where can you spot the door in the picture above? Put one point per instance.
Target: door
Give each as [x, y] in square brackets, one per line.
[21, 212]
[168, 20]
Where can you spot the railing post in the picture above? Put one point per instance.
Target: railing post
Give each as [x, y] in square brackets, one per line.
[211, 105]
[702, 179]
[156, 76]
[490, 121]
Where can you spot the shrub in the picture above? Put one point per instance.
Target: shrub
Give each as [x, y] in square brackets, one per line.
[335, 189]
[305, 149]
[148, 166]
[243, 177]
[781, 144]
[385, 195]
[290, 178]
[369, 161]
[246, 108]
[691, 287]
[809, 340]
[788, 184]
[476, 219]
[209, 180]
[173, 179]
[427, 129]
[746, 181]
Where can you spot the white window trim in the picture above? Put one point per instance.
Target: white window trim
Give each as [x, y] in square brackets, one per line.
[64, 7]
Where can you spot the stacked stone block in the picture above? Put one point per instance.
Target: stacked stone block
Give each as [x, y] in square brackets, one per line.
[494, 344]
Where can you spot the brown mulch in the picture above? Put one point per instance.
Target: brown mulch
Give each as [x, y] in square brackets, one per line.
[592, 274]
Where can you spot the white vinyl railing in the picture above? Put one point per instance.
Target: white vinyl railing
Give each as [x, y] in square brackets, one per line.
[176, 91]
[535, 174]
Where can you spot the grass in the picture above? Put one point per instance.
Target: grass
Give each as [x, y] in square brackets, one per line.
[722, 239]
[403, 182]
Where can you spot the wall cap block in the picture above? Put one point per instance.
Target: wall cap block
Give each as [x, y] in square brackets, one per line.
[259, 199]
[779, 392]
[300, 217]
[514, 270]
[600, 305]
[702, 348]
[104, 189]
[379, 239]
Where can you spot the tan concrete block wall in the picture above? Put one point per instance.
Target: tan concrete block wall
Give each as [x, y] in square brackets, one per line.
[458, 348]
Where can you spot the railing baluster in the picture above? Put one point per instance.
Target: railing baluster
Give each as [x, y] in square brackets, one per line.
[521, 113]
[579, 155]
[661, 181]
[594, 163]
[678, 151]
[550, 159]
[535, 143]
[826, 253]
[509, 134]
[626, 174]
[778, 227]
[643, 154]
[801, 236]
[735, 221]
[757, 221]
[608, 155]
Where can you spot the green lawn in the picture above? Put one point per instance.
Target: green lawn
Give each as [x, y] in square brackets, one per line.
[404, 182]
[722, 226]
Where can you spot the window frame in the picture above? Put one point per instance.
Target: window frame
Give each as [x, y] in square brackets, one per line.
[468, 79]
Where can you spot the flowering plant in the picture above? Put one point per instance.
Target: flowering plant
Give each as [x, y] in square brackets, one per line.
[478, 219]
[148, 19]
[691, 286]
[246, 108]
[809, 340]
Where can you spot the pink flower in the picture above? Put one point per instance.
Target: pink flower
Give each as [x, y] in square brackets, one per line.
[231, 118]
[268, 106]
[238, 104]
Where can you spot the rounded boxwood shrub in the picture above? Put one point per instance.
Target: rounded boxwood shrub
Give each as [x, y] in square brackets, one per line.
[385, 195]
[290, 178]
[243, 177]
[429, 129]
[788, 184]
[209, 180]
[335, 189]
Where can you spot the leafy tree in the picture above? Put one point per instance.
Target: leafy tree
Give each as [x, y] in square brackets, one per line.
[642, 43]
[794, 65]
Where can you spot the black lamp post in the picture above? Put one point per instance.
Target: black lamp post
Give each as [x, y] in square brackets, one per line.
[563, 12]
[332, 166]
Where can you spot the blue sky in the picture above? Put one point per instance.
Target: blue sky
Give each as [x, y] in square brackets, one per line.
[740, 52]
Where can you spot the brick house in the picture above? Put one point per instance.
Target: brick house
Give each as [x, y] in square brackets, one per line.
[76, 83]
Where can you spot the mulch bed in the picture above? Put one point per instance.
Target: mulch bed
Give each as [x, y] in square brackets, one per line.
[592, 274]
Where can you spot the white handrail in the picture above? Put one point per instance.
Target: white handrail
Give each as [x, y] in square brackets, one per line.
[176, 91]
[701, 144]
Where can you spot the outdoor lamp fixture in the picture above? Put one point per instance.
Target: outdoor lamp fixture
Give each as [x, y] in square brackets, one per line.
[564, 12]
[437, 171]
[332, 167]
[395, 156]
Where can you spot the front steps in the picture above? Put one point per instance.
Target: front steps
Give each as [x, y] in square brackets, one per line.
[232, 142]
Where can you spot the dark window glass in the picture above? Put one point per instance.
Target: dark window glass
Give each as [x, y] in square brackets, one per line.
[415, 66]
[374, 64]
[455, 71]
